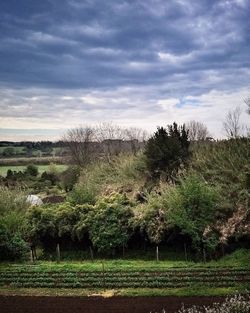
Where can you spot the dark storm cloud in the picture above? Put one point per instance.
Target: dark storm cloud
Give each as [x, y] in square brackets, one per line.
[82, 44]
[95, 58]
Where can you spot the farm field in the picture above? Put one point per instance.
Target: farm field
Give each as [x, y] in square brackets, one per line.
[128, 277]
[18, 161]
[119, 286]
[41, 168]
[64, 277]
[16, 149]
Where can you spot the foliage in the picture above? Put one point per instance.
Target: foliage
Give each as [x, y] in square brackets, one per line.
[152, 218]
[12, 200]
[83, 194]
[12, 246]
[31, 170]
[225, 164]
[166, 150]
[235, 304]
[109, 223]
[69, 177]
[48, 223]
[8, 152]
[192, 207]
[122, 172]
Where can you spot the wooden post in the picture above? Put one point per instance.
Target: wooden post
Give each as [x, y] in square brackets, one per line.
[185, 251]
[58, 256]
[157, 253]
[103, 275]
[91, 254]
[223, 250]
[34, 249]
[31, 255]
[204, 256]
[123, 250]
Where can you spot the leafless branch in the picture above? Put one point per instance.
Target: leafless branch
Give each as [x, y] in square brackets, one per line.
[231, 124]
[197, 131]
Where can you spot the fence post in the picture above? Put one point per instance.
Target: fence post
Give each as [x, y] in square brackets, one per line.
[103, 275]
[204, 256]
[185, 251]
[91, 254]
[31, 255]
[58, 256]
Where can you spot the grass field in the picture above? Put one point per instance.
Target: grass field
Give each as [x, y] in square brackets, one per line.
[41, 168]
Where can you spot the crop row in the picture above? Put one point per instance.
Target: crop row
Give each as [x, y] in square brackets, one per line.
[101, 281]
[131, 273]
[100, 284]
[37, 269]
[120, 275]
[166, 278]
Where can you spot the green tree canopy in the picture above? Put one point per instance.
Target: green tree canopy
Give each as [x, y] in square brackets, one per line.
[166, 150]
[109, 225]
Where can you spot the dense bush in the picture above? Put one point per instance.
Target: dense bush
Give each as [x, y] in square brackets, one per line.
[152, 218]
[166, 150]
[193, 205]
[51, 223]
[12, 246]
[106, 223]
[109, 223]
[31, 170]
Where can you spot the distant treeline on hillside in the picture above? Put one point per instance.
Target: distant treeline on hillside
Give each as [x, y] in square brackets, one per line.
[11, 149]
[33, 144]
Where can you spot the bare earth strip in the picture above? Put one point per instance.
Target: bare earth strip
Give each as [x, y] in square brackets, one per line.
[37, 304]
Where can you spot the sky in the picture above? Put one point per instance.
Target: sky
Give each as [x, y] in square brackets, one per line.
[142, 63]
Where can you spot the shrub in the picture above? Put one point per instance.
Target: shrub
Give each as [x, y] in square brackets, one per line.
[12, 200]
[152, 218]
[166, 150]
[83, 193]
[51, 223]
[31, 170]
[109, 223]
[235, 304]
[192, 208]
[12, 246]
[69, 177]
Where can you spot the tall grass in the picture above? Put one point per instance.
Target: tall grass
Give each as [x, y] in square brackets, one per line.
[224, 161]
[12, 200]
[125, 172]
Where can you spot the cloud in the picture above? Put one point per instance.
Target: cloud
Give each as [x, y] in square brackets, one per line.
[142, 62]
[124, 106]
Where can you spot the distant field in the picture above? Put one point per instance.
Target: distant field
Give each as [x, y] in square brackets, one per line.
[16, 149]
[31, 160]
[41, 168]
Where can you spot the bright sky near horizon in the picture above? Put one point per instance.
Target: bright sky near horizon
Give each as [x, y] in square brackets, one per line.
[140, 63]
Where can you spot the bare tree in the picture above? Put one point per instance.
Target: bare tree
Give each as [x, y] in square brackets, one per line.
[136, 138]
[197, 131]
[231, 124]
[110, 138]
[80, 142]
[247, 102]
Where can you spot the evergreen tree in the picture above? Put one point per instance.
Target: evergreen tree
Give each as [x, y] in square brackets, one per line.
[166, 150]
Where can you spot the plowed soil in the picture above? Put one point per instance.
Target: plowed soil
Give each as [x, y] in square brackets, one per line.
[38, 304]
